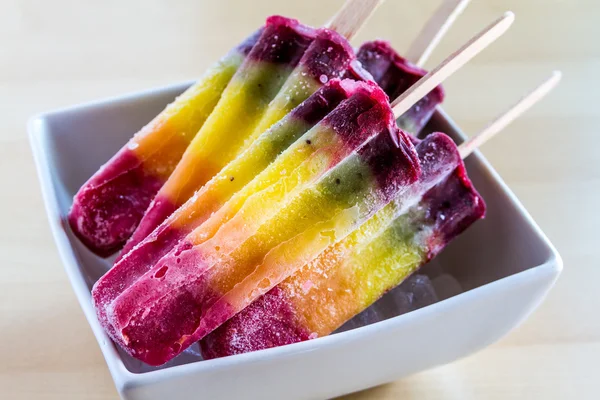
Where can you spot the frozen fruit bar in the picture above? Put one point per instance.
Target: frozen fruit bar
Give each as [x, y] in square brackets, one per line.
[326, 58]
[362, 114]
[193, 290]
[351, 275]
[111, 203]
[395, 75]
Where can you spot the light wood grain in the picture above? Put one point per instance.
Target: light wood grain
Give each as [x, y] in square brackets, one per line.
[61, 52]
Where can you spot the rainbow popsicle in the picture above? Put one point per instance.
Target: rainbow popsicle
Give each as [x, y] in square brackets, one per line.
[266, 147]
[110, 204]
[326, 58]
[396, 74]
[351, 275]
[364, 101]
[193, 290]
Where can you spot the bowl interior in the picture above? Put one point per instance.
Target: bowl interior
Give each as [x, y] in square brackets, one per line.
[77, 141]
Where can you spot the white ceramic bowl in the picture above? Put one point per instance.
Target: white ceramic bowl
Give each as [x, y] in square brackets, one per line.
[504, 266]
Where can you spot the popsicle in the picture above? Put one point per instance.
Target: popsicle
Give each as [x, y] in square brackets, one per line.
[327, 57]
[110, 204]
[215, 202]
[349, 276]
[210, 198]
[363, 114]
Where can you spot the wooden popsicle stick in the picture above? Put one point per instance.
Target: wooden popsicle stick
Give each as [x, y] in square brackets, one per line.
[451, 64]
[352, 16]
[434, 30]
[509, 115]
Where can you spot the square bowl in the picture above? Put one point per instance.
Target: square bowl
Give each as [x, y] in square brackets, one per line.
[502, 268]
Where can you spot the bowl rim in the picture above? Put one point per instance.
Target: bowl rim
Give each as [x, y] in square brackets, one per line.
[124, 378]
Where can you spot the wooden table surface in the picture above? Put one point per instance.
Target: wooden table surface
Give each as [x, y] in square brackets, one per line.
[61, 52]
